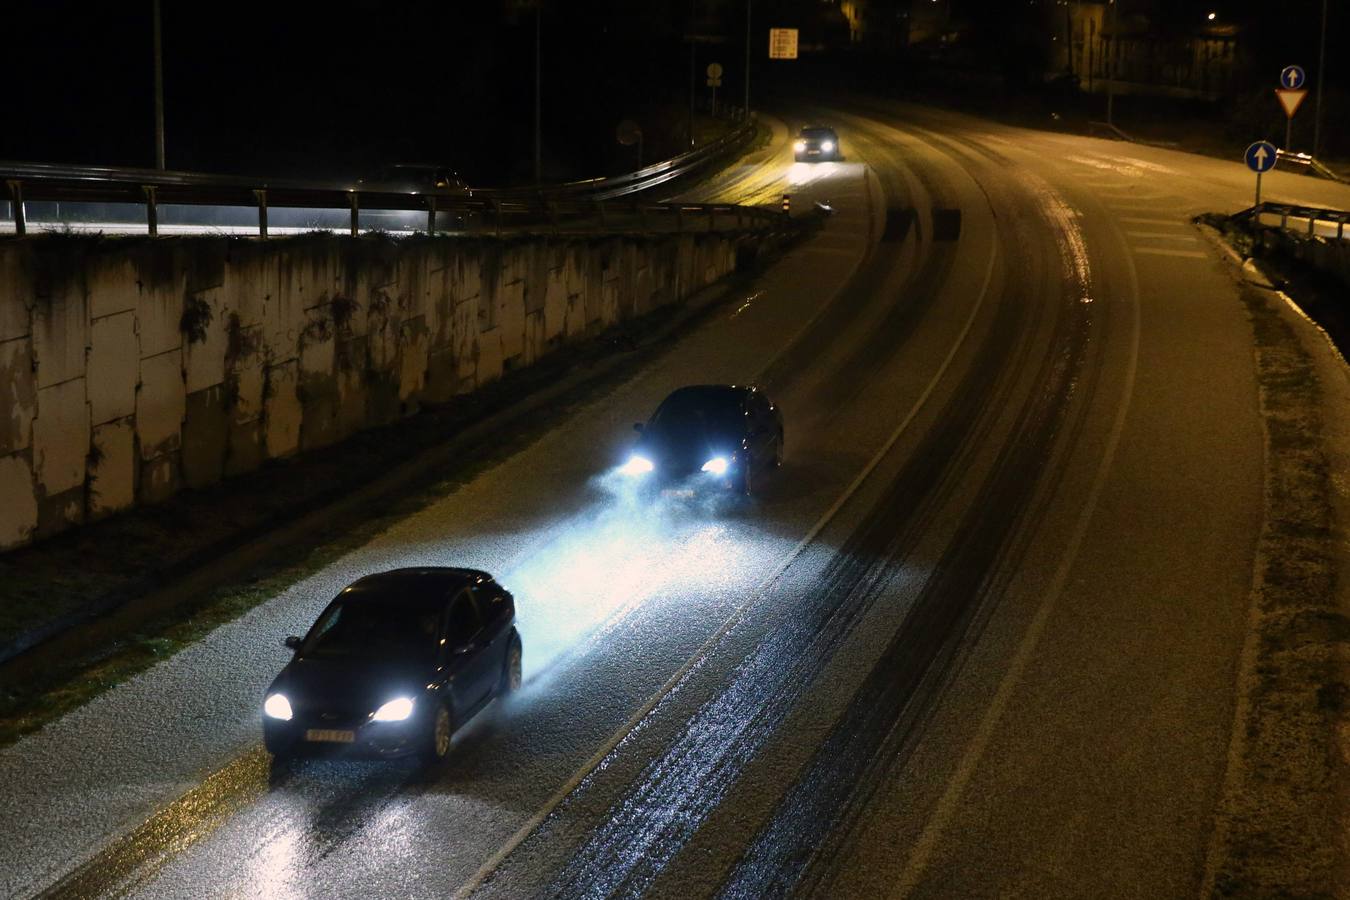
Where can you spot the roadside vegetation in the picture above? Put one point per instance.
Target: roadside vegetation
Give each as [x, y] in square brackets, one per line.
[1281, 823]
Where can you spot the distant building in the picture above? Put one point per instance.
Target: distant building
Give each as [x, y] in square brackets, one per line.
[1140, 53]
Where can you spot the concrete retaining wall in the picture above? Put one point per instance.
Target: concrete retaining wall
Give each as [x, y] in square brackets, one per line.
[130, 370]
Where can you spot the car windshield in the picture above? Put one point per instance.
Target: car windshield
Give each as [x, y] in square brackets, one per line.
[693, 414]
[370, 627]
[818, 134]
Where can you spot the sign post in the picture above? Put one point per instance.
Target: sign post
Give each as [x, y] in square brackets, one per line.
[1260, 158]
[714, 81]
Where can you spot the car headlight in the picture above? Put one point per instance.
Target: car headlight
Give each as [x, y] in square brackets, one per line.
[278, 707]
[717, 465]
[636, 465]
[395, 710]
[826, 146]
[799, 146]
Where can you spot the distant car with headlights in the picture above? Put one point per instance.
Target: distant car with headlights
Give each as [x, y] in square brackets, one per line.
[816, 143]
[709, 435]
[394, 664]
[417, 178]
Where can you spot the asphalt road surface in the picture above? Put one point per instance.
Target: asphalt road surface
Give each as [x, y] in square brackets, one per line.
[979, 638]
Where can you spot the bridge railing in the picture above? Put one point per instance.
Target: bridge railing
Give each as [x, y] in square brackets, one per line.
[592, 204]
[1305, 219]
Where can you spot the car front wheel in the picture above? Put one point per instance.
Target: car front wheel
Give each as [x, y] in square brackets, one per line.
[437, 743]
[512, 669]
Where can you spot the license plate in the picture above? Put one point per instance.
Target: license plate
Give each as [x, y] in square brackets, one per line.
[330, 735]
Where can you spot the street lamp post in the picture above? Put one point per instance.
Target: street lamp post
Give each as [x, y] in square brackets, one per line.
[1317, 97]
[692, 45]
[747, 57]
[1111, 64]
[159, 92]
[538, 136]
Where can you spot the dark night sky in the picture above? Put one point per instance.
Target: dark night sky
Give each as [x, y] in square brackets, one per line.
[306, 88]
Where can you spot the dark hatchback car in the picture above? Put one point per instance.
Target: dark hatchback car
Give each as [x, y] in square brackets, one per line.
[394, 665]
[816, 143]
[719, 435]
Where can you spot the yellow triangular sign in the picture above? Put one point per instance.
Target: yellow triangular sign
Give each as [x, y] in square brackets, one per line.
[1290, 100]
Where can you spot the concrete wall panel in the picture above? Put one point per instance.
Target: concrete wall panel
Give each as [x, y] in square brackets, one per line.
[18, 500]
[114, 366]
[160, 404]
[112, 482]
[18, 394]
[61, 436]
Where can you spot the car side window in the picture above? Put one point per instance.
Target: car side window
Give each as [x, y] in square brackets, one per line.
[464, 619]
[760, 413]
[491, 602]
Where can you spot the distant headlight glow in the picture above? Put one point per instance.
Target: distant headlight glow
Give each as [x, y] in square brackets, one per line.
[717, 465]
[799, 146]
[395, 710]
[636, 465]
[278, 707]
[826, 146]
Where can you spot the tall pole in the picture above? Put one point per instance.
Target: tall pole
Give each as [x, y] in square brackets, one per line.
[1111, 63]
[692, 45]
[748, 57]
[159, 94]
[538, 136]
[1317, 98]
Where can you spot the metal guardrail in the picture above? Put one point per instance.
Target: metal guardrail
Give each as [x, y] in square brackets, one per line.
[582, 203]
[1311, 214]
[1306, 160]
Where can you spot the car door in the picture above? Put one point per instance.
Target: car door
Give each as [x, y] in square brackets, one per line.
[473, 669]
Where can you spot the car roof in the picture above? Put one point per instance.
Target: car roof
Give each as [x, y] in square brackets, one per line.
[424, 581]
[710, 392]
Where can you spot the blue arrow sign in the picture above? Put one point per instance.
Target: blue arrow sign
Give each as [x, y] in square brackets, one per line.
[1291, 77]
[1261, 156]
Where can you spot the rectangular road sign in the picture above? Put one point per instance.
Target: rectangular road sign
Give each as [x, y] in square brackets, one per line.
[782, 43]
[1290, 100]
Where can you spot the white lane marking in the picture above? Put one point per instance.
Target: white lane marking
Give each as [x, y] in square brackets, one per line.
[1135, 220]
[965, 769]
[590, 765]
[1159, 251]
[1167, 235]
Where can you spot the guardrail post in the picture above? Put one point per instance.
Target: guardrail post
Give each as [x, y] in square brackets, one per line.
[151, 209]
[712, 218]
[497, 216]
[262, 212]
[679, 219]
[16, 200]
[431, 215]
[600, 213]
[356, 214]
[1284, 219]
[1312, 224]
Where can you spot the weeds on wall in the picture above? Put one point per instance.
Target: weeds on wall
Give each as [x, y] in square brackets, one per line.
[197, 316]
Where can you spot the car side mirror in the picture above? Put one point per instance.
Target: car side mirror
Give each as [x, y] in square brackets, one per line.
[637, 426]
[292, 642]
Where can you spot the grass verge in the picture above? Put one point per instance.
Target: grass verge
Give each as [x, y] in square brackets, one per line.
[1277, 828]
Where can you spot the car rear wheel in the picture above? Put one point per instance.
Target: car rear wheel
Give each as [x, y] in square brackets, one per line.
[437, 745]
[512, 669]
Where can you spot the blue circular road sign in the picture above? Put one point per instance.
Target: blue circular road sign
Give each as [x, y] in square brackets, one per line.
[1261, 156]
[1291, 77]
